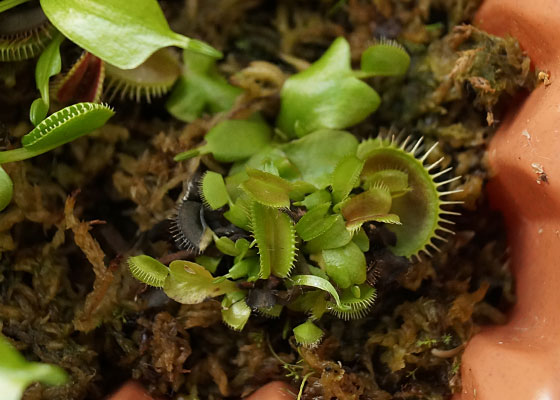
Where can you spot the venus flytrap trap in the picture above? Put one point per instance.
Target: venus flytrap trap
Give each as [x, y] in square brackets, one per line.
[24, 31]
[59, 128]
[82, 83]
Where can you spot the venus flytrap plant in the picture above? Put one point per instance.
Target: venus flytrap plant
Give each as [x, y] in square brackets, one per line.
[312, 200]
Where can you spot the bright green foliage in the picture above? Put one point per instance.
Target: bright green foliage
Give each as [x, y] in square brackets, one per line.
[308, 334]
[267, 189]
[315, 222]
[200, 89]
[345, 265]
[60, 128]
[190, 283]
[213, 190]
[336, 236]
[387, 58]
[361, 239]
[6, 189]
[235, 311]
[122, 33]
[148, 270]
[326, 95]
[318, 283]
[315, 199]
[232, 140]
[210, 263]
[16, 373]
[345, 177]
[249, 268]
[275, 235]
[317, 155]
[48, 65]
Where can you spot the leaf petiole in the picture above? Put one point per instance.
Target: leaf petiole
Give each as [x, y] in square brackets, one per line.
[7, 4]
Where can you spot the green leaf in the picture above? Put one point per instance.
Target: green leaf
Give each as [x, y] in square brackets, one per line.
[385, 59]
[337, 235]
[361, 239]
[326, 95]
[315, 222]
[267, 189]
[190, 283]
[6, 189]
[300, 189]
[148, 270]
[248, 267]
[316, 155]
[48, 65]
[308, 334]
[60, 128]
[16, 373]
[345, 265]
[226, 246]
[318, 283]
[315, 199]
[210, 263]
[38, 111]
[122, 33]
[232, 140]
[213, 190]
[276, 239]
[235, 311]
[238, 213]
[200, 89]
[271, 156]
[345, 177]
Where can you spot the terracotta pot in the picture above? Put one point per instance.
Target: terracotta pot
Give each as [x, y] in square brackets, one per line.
[521, 360]
[131, 391]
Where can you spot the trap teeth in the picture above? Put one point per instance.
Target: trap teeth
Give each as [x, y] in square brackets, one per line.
[189, 229]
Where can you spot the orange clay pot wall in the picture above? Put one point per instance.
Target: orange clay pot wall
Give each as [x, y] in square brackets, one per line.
[521, 360]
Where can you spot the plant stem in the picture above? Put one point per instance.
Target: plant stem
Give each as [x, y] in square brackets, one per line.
[19, 154]
[7, 4]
